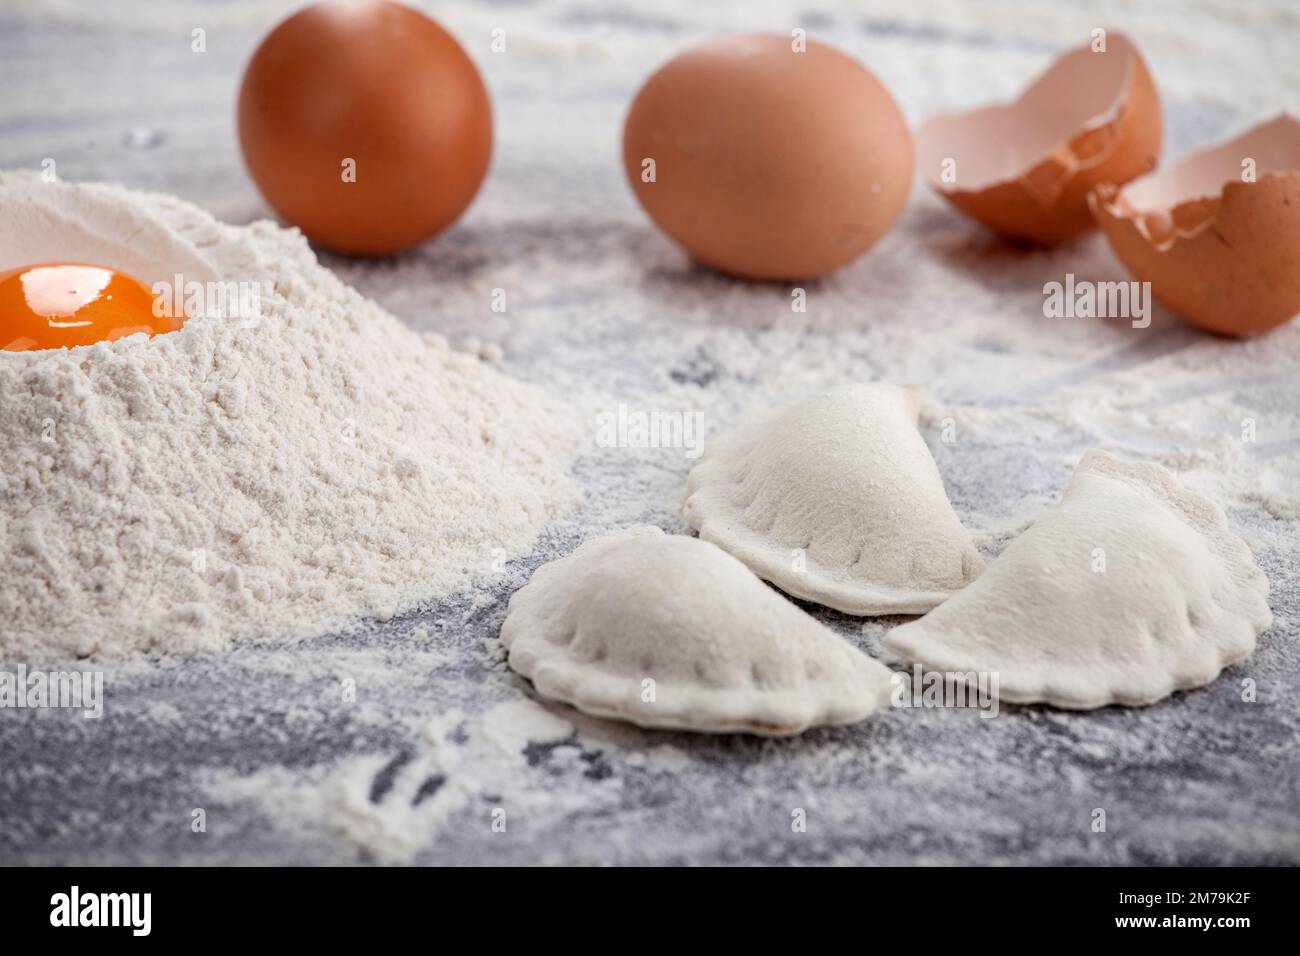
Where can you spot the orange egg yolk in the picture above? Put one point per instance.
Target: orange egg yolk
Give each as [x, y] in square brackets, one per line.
[59, 305]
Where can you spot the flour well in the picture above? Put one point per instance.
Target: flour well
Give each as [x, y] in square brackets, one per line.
[265, 476]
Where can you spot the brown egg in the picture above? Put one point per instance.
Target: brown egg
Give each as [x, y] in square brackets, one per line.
[1025, 169]
[1217, 234]
[766, 162]
[365, 125]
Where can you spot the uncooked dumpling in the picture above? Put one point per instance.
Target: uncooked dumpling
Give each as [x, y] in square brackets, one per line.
[835, 499]
[1128, 590]
[669, 631]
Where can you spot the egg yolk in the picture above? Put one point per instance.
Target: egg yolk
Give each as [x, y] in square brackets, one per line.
[59, 305]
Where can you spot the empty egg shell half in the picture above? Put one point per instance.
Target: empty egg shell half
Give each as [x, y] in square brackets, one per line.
[1025, 169]
[1217, 234]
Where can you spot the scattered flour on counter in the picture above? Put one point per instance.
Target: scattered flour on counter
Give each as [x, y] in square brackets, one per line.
[514, 724]
[458, 773]
[254, 478]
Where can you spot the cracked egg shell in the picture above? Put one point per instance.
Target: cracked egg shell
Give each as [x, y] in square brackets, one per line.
[1025, 169]
[1221, 251]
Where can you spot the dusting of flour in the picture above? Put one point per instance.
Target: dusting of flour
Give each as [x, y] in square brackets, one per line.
[263, 476]
[390, 808]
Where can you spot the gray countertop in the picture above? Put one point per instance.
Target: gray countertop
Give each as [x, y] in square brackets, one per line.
[442, 739]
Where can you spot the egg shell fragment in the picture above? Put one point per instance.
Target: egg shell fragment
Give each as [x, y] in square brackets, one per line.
[1025, 169]
[1221, 251]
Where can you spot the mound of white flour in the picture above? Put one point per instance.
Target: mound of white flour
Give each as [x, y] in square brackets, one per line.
[253, 478]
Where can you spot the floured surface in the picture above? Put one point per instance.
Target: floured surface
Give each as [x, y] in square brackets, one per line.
[604, 311]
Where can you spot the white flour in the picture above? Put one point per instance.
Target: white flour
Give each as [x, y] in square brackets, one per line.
[246, 479]
[389, 807]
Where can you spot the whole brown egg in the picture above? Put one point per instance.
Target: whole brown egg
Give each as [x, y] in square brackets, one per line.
[365, 124]
[769, 157]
